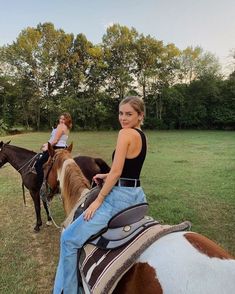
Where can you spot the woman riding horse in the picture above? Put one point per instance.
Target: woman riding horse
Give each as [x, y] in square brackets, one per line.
[23, 159]
[58, 139]
[121, 189]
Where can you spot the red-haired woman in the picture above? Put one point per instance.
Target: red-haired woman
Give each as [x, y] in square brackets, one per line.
[58, 139]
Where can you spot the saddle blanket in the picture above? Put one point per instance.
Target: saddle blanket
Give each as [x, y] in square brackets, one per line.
[101, 270]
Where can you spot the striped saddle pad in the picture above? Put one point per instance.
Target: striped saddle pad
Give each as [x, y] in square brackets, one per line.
[102, 269]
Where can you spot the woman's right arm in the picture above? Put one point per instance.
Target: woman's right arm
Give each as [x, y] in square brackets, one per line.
[114, 174]
[58, 134]
[99, 177]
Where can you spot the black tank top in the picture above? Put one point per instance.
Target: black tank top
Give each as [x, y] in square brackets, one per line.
[132, 166]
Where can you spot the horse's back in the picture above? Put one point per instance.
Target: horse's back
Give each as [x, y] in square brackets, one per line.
[182, 265]
[91, 166]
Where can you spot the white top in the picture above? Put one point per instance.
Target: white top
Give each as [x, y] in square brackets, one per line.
[62, 141]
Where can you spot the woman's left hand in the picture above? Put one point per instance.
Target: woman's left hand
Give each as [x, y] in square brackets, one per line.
[90, 211]
[44, 147]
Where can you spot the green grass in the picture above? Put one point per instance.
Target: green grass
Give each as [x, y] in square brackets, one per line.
[192, 177]
[188, 175]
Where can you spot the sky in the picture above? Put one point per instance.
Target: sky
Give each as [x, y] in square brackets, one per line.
[209, 24]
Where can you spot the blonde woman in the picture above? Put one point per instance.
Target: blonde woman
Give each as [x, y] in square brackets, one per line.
[121, 189]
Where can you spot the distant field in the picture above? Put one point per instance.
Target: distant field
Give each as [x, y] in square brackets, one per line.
[188, 175]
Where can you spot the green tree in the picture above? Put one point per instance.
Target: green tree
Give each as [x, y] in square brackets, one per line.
[195, 63]
[119, 55]
[224, 113]
[148, 60]
[166, 77]
[36, 54]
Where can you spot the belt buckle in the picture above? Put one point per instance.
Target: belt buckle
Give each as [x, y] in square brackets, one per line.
[135, 183]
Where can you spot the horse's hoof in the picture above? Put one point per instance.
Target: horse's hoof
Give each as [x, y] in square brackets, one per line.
[49, 223]
[36, 229]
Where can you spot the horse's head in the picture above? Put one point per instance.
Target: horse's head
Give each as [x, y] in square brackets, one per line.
[51, 166]
[65, 151]
[3, 155]
[62, 167]
[50, 178]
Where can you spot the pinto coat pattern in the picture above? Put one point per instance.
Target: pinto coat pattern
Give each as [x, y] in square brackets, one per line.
[178, 263]
[181, 263]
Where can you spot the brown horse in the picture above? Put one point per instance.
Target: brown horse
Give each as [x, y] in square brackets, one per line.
[181, 262]
[22, 160]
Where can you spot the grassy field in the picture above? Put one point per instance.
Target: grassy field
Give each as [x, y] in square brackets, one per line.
[188, 175]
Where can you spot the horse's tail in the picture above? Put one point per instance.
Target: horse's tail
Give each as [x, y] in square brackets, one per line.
[23, 193]
[104, 167]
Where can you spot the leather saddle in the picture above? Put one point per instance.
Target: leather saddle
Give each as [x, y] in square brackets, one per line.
[122, 227]
[89, 198]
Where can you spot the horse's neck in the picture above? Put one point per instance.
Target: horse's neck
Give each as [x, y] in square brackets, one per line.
[17, 157]
[71, 205]
[73, 191]
[70, 211]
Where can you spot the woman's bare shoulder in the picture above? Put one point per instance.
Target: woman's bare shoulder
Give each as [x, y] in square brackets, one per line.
[62, 127]
[128, 132]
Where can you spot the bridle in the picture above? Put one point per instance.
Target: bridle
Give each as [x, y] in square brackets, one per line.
[47, 187]
[49, 170]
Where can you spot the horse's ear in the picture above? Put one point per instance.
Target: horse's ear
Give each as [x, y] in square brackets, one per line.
[70, 147]
[8, 142]
[51, 150]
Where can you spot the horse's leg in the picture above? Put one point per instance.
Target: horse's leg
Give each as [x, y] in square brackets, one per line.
[43, 196]
[49, 222]
[36, 201]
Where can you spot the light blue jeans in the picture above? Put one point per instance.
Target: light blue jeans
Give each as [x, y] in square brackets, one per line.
[80, 231]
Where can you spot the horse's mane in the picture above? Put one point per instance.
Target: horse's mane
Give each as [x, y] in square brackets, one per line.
[21, 149]
[72, 180]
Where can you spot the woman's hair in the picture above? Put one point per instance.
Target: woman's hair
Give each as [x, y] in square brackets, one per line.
[68, 119]
[136, 102]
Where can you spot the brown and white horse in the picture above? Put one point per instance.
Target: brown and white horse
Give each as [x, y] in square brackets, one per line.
[90, 166]
[178, 263]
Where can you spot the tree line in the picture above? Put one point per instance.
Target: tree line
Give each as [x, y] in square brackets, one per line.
[46, 71]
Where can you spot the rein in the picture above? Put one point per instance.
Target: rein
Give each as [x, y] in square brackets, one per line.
[45, 200]
[49, 210]
[25, 164]
[49, 169]
[28, 162]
